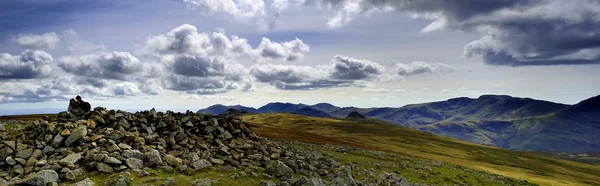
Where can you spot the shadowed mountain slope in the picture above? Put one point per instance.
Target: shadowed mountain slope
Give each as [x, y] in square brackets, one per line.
[496, 120]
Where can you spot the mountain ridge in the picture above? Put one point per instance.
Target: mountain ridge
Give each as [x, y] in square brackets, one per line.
[495, 120]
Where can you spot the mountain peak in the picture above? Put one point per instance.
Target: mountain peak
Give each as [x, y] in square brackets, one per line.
[355, 115]
[589, 105]
[324, 104]
[326, 107]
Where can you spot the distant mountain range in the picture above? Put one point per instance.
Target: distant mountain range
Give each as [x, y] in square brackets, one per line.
[496, 120]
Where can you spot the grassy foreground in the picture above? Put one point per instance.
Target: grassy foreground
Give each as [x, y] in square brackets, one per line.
[368, 167]
[375, 135]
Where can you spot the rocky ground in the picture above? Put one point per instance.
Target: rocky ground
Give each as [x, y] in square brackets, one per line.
[109, 147]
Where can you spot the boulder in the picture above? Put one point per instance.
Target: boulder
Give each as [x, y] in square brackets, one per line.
[278, 169]
[10, 161]
[5, 152]
[217, 161]
[201, 164]
[132, 154]
[124, 146]
[170, 182]
[11, 144]
[31, 161]
[118, 181]
[57, 141]
[344, 177]
[85, 182]
[267, 183]
[172, 160]
[65, 132]
[21, 161]
[24, 153]
[303, 181]
[41, 178]
[70, 160]
[112, 161]
[91, 124]
[153, 158]
[134, 163]
[123, 122]
[202, 182]
[98, 119]
[103, 167]
[76, 134]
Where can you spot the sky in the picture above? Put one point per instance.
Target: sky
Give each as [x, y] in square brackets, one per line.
[190, 54]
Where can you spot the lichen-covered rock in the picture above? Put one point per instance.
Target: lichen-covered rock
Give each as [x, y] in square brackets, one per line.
[57, 141]
[134, 163]
[24, 153]
[91, 124]
[112, 161]
[201, 182]
[105, 168]
[70, 160]
[85, 182]
[98, 119]
[11, 144]
[132, 154]
[153, 158]
[10, 160]
[217, 161]
[172, 160]
[201, 164]
[280, 170]
[267, 183]
[40, 178]
[75, 135]
[170, 182]
[118, 181]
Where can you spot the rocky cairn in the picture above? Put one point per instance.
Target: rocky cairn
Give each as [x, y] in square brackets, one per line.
[107, 141]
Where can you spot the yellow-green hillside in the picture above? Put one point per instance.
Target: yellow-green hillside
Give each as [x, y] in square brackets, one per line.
[376, 135]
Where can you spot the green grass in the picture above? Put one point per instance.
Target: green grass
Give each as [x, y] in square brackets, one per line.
[516, 164]
[158, 177]
[415, 170]
[381, 136]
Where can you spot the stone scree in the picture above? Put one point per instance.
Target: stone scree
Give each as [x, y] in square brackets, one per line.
[49, 152]
[110, 141]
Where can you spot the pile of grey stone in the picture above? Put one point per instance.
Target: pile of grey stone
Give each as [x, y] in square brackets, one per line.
[109, 141]
[69, 148]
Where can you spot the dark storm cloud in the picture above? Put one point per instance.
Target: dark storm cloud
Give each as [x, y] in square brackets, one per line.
[516, 32]
[30, 64]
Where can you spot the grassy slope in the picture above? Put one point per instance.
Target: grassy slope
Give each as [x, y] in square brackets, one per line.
[389, 138]
[416, 170]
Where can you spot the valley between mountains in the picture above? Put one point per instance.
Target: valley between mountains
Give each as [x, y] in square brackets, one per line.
[493, 120]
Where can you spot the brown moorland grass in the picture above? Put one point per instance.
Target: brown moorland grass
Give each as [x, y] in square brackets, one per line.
[30, 117]
[382, 136]
[377, 135]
